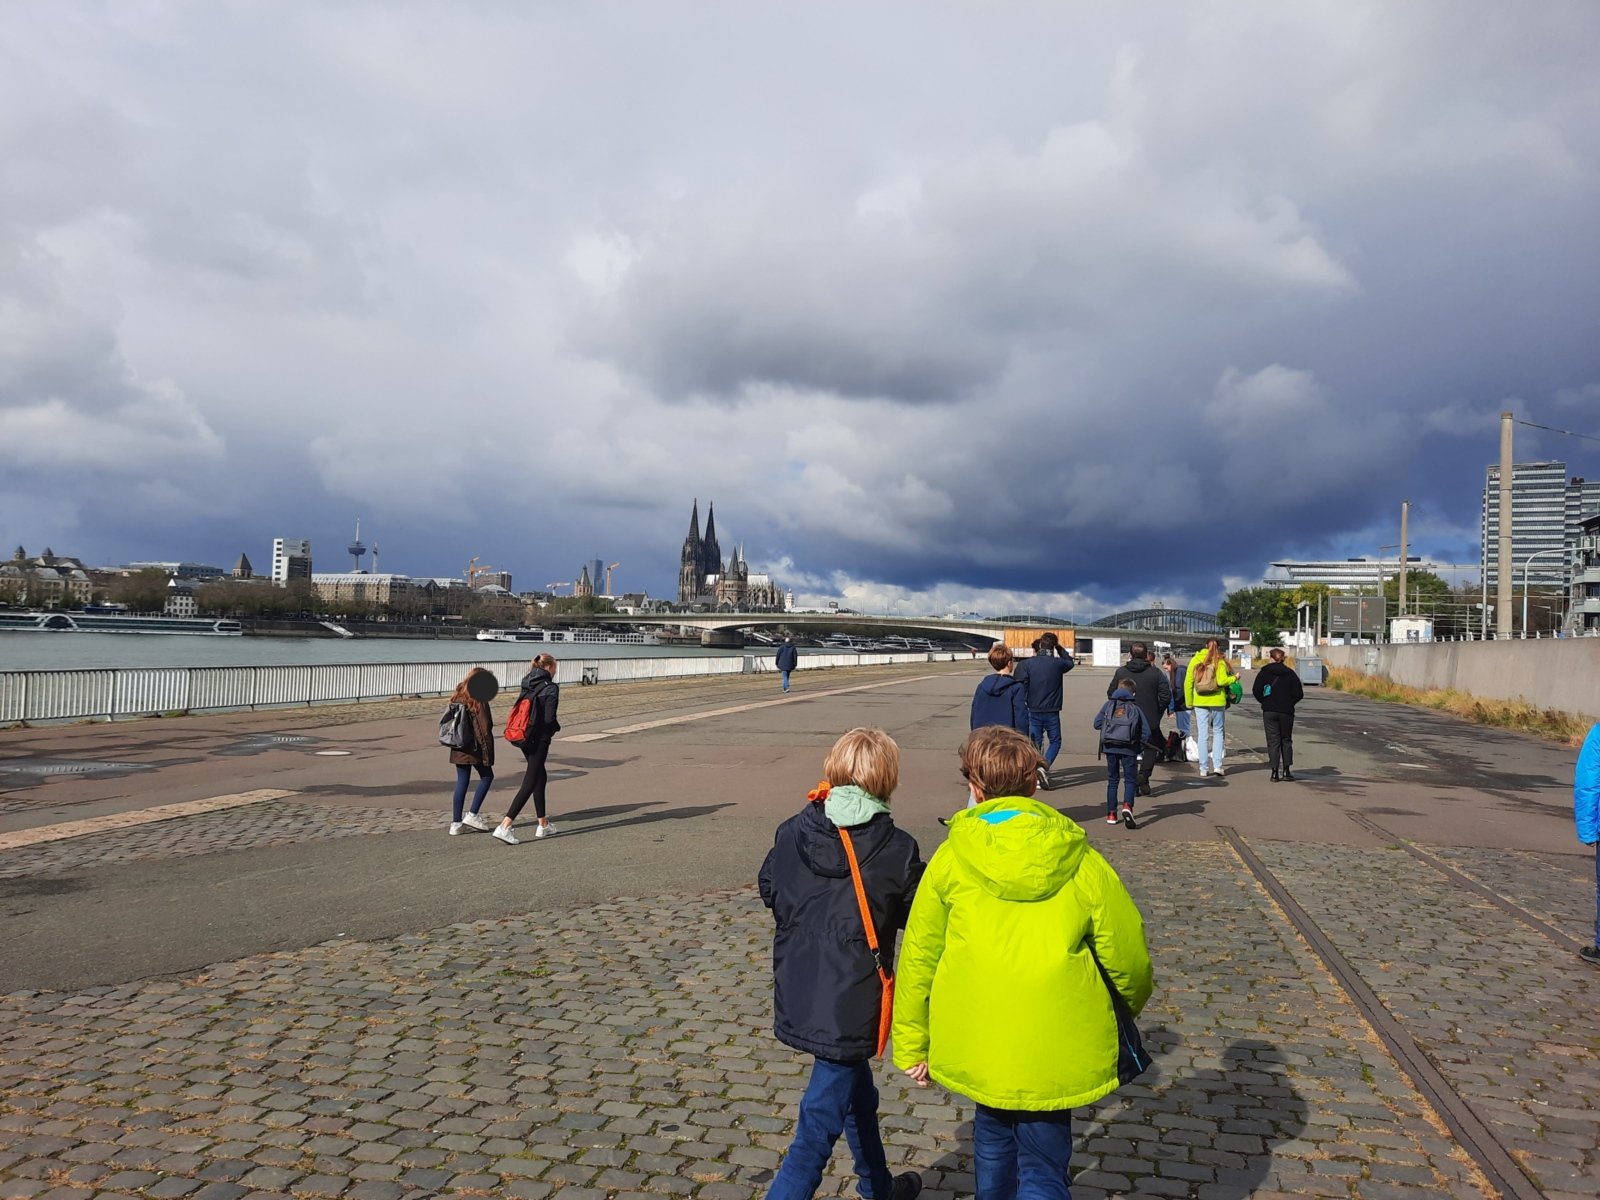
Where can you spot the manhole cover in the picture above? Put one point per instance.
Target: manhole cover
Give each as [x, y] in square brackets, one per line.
[69, 768]
[285, 739]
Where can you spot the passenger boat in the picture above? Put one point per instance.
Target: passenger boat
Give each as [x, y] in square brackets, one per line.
[598, 637]
[77, 622]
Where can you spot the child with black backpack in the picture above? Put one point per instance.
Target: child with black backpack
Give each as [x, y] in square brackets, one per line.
[1124, 729]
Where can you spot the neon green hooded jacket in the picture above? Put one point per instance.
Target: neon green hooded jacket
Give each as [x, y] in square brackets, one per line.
[997, 990]
[1225, 676]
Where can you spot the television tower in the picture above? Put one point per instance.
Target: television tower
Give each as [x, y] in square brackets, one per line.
[357, 548]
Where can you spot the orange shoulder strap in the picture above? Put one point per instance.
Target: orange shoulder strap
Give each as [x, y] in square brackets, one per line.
[861, 901]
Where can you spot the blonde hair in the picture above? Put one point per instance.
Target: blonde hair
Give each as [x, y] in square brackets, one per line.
[867, 758]
[547, 661]
[1000, 761]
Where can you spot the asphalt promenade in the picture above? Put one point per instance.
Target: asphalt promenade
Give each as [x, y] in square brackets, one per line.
[296, 984]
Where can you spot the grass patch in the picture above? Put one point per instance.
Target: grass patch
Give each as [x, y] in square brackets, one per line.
[1504, 714]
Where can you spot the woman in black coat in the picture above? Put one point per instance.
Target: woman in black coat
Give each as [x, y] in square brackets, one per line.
[544, 697]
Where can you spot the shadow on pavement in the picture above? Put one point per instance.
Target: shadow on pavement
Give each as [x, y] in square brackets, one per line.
[649, 818]
[1250, 1098]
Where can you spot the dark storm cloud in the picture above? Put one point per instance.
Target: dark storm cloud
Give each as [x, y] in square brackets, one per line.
[1069, 309]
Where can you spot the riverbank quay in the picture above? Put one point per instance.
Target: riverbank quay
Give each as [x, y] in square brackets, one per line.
[589, 1015]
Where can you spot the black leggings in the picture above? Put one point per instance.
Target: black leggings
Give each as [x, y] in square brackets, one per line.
[533, 780]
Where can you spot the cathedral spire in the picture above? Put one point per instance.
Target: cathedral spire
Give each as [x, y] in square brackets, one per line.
[711, 554]
[694, 522]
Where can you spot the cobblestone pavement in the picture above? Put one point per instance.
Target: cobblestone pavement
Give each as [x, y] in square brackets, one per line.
[1556, 887]
[271, 823]
[625, 1050]
[1507, 1015]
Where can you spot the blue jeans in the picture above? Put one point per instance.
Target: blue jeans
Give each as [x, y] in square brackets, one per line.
[840, 1097]
[785, 675]
[1042, 725]
[1022, 1155]
[1209, 724]
[1127, 766]
[1181, 717]
[463, 775]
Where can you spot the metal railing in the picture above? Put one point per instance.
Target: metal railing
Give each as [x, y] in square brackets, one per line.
[113, 693]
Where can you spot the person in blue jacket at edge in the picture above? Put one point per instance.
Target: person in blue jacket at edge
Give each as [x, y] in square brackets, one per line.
[1586, 811]
[1000, 699]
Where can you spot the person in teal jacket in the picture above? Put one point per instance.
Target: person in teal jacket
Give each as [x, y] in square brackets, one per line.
[1017, 935]
[1586, 812]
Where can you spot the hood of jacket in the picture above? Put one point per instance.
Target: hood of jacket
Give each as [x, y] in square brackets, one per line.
[534, 678]
[1273, 670]
[1136, 665]
[998, 685]
[822, 851]
[1018, 848]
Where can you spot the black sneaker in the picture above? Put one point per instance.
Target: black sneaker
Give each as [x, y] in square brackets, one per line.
[1275, 777]
[1044, 784]
[1288, 775]
[1590, 955]
[906, 1186]
[1144, 788]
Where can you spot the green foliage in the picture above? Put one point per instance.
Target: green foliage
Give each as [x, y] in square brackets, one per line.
[1264, 611]
[566, 606]
[143, 591]
[1424, 590]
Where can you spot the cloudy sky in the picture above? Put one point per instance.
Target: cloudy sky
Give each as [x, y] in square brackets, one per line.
[944, 305]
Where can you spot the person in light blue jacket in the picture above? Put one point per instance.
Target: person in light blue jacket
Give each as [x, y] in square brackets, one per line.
[1586, 811]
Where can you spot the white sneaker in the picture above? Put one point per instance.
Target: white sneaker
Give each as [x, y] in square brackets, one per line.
[1220, 772]
[455, 828]
[546, 830]
[476, 821]
[506, 836]
[1202, 772]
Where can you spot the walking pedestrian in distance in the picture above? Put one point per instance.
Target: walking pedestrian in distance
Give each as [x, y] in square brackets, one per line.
[1586, 811]
[1000, 698]
[1177, 707]
[473, 694]
[1041, 676]
[1278, 689]
[787, 659]
[1017, 937]
[1123, 730]
[1153, 692]
[1206, 693]
[840, 855]
[544, 697]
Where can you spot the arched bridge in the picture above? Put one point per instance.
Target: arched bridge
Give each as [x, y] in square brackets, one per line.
[715, 621]
[1161, 620]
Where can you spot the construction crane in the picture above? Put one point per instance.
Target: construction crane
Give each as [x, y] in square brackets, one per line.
[564, 583]
[610, 567]
[474, 570]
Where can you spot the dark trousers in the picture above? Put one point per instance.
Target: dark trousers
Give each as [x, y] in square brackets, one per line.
[534, 778]
[1021, 1155]
[1119, 763]
[1280, 739]
[1150, 755]
[463, 776]
[840, 1098]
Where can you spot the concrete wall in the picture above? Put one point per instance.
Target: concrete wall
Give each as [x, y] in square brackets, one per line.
[1560, 673]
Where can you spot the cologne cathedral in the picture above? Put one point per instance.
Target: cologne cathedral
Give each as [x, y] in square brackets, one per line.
[706, 581]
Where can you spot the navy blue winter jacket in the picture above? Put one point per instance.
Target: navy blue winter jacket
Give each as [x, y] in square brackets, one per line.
[1041, 675]
[825, 989]
[787, 657]
[1000, 700]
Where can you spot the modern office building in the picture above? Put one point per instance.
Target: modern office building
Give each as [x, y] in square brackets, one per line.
[1346, 574]
[1583, 614]
[1546, 508]
[181, 570]
[291, 559]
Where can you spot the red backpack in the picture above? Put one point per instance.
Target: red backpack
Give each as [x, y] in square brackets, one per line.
[517, 721]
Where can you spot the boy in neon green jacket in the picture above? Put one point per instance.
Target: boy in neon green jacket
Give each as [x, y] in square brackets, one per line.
[999, 995]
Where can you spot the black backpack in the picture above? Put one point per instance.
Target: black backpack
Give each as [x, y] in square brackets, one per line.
[1120, 728]
[455, 728]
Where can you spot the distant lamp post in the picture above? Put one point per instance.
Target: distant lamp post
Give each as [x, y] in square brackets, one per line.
[1526, 563]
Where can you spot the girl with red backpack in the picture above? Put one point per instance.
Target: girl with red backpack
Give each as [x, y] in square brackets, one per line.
[539, 727]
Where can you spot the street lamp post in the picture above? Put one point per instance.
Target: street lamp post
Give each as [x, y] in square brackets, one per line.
[1526, 563]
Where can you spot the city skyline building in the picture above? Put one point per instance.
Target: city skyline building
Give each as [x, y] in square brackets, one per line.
[291, 559]
[704, 580]
[1546, 511]
[1365, 571]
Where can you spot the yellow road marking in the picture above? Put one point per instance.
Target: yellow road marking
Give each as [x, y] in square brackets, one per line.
[142, 816]
[737, 708]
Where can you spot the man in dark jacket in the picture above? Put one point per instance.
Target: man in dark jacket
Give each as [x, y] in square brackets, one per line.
[787, 659]
[827, 993]
[999, 699]
[1151, 692]
[1277, 689]
[1041, 676]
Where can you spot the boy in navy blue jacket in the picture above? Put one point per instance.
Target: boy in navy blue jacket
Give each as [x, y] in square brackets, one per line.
[1001, 699]
[827, 997]
[1586, 812]
[1124, 729]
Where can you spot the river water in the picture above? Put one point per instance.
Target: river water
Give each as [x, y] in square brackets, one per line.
[83, 651]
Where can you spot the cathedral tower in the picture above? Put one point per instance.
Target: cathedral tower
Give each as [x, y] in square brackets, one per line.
[691, 571]
[710, 552]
